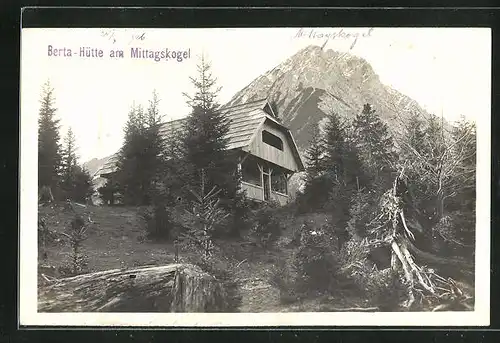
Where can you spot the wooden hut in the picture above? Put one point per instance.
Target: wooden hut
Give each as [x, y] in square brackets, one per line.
[267, 153]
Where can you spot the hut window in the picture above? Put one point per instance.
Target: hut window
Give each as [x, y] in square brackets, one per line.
[272, 140]
[278, 183]
[250, 172]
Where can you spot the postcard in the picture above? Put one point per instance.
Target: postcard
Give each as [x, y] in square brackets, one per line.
[222, 177]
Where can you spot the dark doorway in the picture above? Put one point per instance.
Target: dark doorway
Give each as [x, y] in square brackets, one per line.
[267, 191]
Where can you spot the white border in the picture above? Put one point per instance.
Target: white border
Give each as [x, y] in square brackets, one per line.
[28, 265]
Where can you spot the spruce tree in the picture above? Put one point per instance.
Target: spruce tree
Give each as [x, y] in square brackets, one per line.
[375, 147]
[76, 182]
[344, 169]
[153, 150]
[341, 160]
[140, 158]
[314, 156]
[129, 169]
[68, 164]
[205, 137]
[414, 134]
[317, 184]
[49, 149]
[82, 186]
[335, 145]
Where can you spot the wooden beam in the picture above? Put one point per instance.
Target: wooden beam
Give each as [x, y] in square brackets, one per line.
[261, 179]
[244, 157]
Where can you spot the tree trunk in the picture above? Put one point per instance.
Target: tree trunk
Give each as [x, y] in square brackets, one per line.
[171, 288]
[432, 259]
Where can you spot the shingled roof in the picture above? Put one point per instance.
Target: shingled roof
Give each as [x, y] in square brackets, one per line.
[244, 120]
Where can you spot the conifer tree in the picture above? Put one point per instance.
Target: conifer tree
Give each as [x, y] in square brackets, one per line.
[341, 156]
[83, 188]
[205, 137]
[314, 156]
[49, 149]
[344, 169]
[317, 184]
[335, 144]
[414, 134]
[69, 163]
[153, 150]
[76, 182]
[129, 169]
[140, 158]
[375, 147]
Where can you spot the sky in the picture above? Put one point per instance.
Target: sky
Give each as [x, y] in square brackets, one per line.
[446, 70]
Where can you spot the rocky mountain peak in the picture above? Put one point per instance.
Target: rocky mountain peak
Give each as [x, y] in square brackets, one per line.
[314, 82]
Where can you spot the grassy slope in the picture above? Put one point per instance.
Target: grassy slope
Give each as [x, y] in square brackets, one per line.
[116, 240]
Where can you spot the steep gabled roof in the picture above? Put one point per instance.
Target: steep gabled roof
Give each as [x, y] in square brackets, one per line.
[244, 120]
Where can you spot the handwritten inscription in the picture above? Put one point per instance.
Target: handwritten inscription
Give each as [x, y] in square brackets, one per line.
[328, 35]
[114, 36]
[165, 54]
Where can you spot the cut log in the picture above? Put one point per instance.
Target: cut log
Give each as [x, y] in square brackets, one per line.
[171, 288]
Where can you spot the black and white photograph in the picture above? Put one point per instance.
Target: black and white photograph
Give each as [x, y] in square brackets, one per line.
[255, 176]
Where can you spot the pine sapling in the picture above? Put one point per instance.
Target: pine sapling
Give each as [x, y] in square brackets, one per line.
[204, 215]
[76, 235]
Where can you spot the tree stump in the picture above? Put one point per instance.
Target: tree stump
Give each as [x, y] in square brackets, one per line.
[171, 288]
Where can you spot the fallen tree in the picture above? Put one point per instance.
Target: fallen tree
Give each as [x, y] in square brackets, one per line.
[171, 288]
[423, 283]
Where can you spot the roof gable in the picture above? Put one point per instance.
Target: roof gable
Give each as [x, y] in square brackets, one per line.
[270, 121]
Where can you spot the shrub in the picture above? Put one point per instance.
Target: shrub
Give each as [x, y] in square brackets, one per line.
[283, 278]
[76, 235]
[381, 288]
[224, 273]
[314, 195]
[46, 237]
[159, 221]
[267, 226]
[387, 289]
[316, 261]
[239, 212]
[108, 192]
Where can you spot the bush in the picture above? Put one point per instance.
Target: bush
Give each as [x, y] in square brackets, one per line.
[283, 278]
[160, 222]
[108, 192]
[316, 261]
[239, 212]
[223, 272]
[381, 288]
[46, 237]
[387, 290]
[267, 227]
[315, 195]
